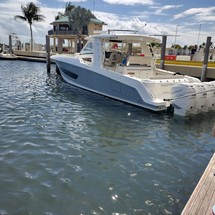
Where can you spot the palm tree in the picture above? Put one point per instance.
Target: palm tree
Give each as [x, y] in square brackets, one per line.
[30, 14]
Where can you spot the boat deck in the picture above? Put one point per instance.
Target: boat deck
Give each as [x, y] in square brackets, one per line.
[203, 197]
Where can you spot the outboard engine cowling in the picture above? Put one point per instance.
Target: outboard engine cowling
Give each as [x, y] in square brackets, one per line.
[201, 97]
[210, 86]
[183, 99]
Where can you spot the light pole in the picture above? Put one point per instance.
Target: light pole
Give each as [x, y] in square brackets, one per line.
[199, 34]
[176, 31]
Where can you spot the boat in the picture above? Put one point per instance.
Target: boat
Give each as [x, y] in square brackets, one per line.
[122, 67]
[7, 56]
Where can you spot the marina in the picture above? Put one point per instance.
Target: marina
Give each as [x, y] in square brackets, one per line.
[65, 149]
[106, 121]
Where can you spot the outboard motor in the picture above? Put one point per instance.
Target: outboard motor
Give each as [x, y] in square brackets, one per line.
[201, 97]
[210, 103]
[183, 97]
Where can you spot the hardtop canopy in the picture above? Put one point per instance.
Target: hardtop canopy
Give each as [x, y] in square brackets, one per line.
[133, 38]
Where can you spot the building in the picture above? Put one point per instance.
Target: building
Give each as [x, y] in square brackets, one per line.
[64, 39]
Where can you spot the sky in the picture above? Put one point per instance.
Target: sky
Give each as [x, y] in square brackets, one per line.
[188, 22]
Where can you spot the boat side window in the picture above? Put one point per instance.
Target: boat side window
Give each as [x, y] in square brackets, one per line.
[112, 53]
[88, 48]
[138, 55]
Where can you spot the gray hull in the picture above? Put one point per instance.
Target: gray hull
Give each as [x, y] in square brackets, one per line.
[101, 84]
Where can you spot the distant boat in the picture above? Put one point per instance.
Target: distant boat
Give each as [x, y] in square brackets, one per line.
[4, 56]
[122, 66]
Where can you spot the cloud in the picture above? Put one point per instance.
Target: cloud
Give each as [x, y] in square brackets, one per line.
[161, 9]
[154, 10]
[9, 25]
[198, 14]
[11, 8]
[130, 2]
[69, 1]
[133, 23]
[115, 21]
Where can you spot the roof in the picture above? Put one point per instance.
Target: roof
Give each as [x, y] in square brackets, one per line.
[128, 37]
[97, 21]
[65, 20]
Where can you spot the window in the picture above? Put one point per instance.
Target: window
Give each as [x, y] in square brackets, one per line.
[88, 48]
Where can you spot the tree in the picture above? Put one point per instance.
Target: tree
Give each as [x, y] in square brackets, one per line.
[176, 46]
[157, 45]
[68, 8]
[79, 18]
[30, 15]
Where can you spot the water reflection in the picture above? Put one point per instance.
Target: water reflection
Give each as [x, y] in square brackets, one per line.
[64, 149]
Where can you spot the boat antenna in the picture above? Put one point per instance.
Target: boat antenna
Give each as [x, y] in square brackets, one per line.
[142, 27]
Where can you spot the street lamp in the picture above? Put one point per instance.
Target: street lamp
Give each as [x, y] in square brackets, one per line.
[199, 34]
[176, 31]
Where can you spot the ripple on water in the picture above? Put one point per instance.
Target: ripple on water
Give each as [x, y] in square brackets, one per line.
[63, 149]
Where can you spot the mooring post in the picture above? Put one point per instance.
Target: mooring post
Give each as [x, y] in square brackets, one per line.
[57, 70]
[163, 50]
[205, 62]
[48, 61]
[10, 45]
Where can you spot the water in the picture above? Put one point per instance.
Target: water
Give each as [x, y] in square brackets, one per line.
[67, 151]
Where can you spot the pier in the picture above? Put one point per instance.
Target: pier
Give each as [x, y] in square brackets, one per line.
[194, 71]
[202, 199]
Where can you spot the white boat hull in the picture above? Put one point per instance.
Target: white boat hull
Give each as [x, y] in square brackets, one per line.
[135, 80]
[108, 84]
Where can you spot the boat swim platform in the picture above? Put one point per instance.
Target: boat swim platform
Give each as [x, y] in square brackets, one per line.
[202, 199]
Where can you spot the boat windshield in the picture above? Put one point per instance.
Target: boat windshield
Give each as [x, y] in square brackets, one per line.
[88, 48]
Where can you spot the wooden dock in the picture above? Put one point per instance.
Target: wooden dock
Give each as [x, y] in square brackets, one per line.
[202, 199]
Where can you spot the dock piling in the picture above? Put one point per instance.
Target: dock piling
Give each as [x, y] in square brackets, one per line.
[10, 44]
[48, 61]
[163, 49]
[205, 62]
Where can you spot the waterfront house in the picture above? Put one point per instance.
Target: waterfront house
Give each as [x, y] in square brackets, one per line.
[62, 33]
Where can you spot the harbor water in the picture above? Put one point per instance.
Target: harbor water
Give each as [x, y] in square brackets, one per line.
[66, 151]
